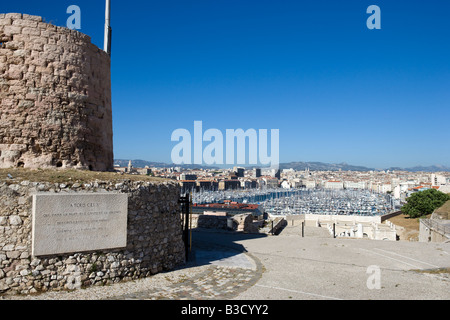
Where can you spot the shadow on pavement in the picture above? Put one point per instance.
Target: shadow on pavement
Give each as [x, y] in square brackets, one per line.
[220, 248]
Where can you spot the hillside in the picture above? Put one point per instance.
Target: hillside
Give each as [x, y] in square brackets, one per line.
[321, 166]
[442, 212]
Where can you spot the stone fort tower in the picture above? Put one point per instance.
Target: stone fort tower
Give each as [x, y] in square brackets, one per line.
[55, 97]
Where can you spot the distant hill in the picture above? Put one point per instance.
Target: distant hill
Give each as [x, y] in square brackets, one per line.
[435, 168]
[321, 166]
[143, 163]
[299, 166]
[138, 163]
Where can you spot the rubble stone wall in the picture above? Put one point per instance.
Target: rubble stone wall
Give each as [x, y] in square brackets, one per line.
[55, 97]
[154, 238]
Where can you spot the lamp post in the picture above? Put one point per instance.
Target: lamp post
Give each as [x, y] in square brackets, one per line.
[108, 30]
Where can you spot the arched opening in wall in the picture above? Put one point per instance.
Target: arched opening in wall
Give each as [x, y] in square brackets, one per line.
[20, 164]
[59, 164]
[91, 168]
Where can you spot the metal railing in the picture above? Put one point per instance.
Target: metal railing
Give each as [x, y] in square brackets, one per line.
[441, 226]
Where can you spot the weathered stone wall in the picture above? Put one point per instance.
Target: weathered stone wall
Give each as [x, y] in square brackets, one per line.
[154, 238]
[209, 222]
[55, 97]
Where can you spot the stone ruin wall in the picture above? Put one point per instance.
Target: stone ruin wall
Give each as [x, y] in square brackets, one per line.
[154, 238]
[55, 97]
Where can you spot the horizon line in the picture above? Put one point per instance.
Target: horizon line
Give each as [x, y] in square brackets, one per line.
[225, 166]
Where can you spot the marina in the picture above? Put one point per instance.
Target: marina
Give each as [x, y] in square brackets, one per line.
[305, 201]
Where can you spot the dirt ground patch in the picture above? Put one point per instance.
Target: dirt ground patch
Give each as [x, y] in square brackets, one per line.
[409, 227]
[443, 212]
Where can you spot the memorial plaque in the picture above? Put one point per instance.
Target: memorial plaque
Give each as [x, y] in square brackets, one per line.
[69, 223]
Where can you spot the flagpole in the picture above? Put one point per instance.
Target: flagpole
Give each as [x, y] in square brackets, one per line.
[108, 30]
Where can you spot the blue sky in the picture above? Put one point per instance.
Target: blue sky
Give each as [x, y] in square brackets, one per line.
[337, 91]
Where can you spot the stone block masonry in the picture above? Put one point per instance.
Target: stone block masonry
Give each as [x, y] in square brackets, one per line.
[154, 238]
[55, 97]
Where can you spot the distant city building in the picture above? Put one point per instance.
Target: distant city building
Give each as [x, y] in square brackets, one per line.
[271, 182]
[334, 184]
[229, 184]
[144, 171]
[210, 185]
[354, 185]
[296, 183]
[239, 172]
[438, 180]
[285, 185]
[249, 184]
[309, 184]
[278, 174]
[188, 185]
[187, 176]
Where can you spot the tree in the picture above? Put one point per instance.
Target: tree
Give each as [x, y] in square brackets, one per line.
[424, 202]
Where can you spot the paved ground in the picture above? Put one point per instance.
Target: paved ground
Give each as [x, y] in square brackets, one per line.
[245, 267]
[324, 268]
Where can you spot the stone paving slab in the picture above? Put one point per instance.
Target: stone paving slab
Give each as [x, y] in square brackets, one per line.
[228, 274]
[215, 283]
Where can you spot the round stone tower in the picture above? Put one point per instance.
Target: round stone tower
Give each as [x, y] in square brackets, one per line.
[55, 97]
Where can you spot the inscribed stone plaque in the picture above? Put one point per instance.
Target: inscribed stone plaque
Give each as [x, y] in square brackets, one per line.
[69, 223]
